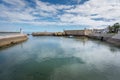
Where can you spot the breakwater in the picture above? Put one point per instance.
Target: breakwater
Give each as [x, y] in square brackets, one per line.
[42, 33]
[48, 34]
[64, 33]
[12, 39]
[108, 37]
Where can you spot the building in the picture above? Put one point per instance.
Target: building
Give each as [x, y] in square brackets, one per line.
[78, 32]
[106, 30]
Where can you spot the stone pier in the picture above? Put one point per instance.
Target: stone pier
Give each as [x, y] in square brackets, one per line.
[12, 39]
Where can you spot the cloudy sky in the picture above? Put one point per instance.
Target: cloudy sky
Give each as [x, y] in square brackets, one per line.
[55, 15]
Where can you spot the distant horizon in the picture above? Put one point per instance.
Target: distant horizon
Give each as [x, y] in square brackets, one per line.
[42, 29]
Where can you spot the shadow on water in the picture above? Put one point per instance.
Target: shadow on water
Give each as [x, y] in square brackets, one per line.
[32, 70]
[12, 45]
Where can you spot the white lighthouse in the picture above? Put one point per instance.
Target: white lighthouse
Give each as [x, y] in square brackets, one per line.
[21, 31]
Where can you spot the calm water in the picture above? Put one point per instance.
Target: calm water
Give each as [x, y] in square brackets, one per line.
[60, 58]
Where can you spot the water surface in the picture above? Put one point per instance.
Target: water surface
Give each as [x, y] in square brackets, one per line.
[60, 58]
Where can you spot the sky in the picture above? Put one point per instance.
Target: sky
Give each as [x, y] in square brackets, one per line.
[57, 15]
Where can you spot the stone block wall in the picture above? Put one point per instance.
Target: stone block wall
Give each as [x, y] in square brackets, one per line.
[78, 32]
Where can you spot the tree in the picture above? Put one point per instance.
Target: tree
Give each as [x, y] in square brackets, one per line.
[114, 28]
[110, 29]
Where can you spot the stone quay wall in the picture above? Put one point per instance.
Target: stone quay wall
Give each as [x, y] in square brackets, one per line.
[115, 39]
[78, 32]
[12, 39]
[42, 33]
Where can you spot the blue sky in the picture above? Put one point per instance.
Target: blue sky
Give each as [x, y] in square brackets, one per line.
[56, 15]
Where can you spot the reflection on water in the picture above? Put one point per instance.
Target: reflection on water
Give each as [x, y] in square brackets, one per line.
[60, 58]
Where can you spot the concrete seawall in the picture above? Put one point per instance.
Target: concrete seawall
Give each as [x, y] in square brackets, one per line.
[77, 32]
[115, 39]
[42, 33]
[48, 34]
[12, 39]
[64, 33]
[99, 36]
[110, 38]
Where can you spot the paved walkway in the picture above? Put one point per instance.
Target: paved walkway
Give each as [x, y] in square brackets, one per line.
[9, 36]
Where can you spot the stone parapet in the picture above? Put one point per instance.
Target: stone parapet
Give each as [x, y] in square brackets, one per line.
[12, 39]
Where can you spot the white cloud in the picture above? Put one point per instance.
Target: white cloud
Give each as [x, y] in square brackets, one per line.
[81, 20]
[62, 7]
[17, 3]
[70, 15]
[109, 9]
[15, 15]
[52, 8]
[45, 6]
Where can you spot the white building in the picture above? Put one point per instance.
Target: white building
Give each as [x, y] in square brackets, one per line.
[106, 30]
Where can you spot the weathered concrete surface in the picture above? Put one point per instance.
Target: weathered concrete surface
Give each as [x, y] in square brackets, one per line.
[74, 32]
[8, 33]
[87, 32]
[115, 39]
[48, 34]
[12, 39]
[42, 33]
[65, 33]
[110, 38]
[59, 34]
[101, 36]
[78, 32]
